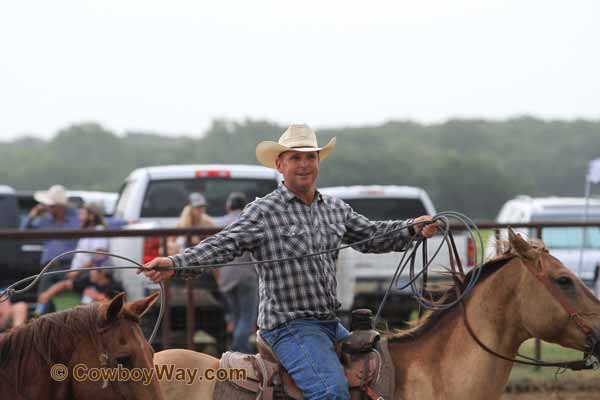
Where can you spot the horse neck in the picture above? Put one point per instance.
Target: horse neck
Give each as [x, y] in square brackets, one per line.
[446, 363]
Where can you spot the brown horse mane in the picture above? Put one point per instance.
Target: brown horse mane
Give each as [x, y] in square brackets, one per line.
[431, 319]
[50, 338]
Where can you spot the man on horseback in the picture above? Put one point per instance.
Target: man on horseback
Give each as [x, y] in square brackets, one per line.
[297, 295]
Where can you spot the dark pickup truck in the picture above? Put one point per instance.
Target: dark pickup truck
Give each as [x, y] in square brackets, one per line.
[18, 259]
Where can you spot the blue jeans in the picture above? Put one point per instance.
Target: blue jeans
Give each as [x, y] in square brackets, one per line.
[306, 349]
[242, 302]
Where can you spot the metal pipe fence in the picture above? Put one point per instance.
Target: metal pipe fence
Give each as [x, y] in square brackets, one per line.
[163, 234]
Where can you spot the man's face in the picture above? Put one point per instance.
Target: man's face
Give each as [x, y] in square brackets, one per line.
[55, 210]
[300, 169]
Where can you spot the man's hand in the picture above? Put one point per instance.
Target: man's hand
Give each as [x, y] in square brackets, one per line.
[158, 276]
[37, 210]
[426, 230]
[43, 297]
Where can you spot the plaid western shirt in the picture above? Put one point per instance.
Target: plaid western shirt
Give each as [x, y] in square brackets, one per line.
[280, 225]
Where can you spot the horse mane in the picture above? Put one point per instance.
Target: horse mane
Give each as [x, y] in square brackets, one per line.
[53, 335]
[431, 319]
[49, 337]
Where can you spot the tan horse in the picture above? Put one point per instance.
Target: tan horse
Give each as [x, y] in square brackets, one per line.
[82, 339]
[438, 359]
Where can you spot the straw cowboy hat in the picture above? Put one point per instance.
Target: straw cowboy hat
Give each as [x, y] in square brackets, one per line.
[297, 138]
[55, 196]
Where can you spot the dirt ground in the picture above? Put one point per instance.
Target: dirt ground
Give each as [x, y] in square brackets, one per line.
[553, 396]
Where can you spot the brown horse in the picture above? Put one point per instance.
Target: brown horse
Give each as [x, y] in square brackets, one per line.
[84, 340]
[439, 359]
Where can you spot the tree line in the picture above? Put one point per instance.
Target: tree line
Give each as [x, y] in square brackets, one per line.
[471, 166]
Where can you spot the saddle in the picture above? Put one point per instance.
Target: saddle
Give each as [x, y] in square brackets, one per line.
[268, 380]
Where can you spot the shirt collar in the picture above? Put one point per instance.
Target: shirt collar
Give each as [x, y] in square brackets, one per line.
[288, 195]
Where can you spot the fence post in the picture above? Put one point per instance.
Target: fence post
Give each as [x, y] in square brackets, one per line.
[498, 244]
[538, 343]
[166, 322]
[190, 312]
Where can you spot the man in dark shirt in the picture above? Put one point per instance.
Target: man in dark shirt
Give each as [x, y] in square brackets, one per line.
[97, 285]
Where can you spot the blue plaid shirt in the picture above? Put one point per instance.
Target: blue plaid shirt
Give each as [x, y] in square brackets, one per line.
[54, 247]
[280, 225]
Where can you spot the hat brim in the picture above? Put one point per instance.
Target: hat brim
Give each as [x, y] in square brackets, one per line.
[44, 198]
[268, 151]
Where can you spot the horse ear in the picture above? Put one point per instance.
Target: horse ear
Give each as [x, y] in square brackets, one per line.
[139, 307]
[114, 308]
[520, 245]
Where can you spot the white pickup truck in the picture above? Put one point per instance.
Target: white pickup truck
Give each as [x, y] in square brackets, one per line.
[155, 196]
[576, 247]
[364, 278]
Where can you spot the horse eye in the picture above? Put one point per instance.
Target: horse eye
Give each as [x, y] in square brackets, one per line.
[125, 361]
[564, 281]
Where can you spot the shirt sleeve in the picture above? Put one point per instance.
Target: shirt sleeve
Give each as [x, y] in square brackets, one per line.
[244, 234]
[81, 282]
[359, 227]
[31, 223]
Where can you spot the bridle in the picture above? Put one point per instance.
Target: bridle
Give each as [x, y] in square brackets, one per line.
[537, 268]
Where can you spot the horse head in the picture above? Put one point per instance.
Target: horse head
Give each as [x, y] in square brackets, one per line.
[120, 349]
[555, 305]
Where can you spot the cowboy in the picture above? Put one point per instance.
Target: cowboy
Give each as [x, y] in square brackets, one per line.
[297, 296]
[53, 212]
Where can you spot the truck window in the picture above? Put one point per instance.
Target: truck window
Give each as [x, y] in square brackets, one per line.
[25, 203]
[9, 218]
[166, 198]
[571, 238]
[388, 209]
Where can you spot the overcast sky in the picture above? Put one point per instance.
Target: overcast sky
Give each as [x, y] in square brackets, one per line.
[172, 66]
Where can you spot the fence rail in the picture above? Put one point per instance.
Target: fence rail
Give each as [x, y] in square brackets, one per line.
[163, 234]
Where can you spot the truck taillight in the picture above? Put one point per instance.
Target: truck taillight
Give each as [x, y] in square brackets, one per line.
[151, 248]
[213, 174]
[470, 252]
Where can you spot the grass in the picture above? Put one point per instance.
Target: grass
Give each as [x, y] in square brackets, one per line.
[550, 352]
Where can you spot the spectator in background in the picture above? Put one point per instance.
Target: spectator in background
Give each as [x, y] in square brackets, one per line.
[91, 217]
[55, 213]
[233, 207]
[93, 285]
[193, 215]
[239, 286]
[12, 315]
[97, 285]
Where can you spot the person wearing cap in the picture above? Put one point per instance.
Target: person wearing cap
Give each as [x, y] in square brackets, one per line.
[54, 213]
[193, 215]
[91, 217]
[297, 295]
[233, 207]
